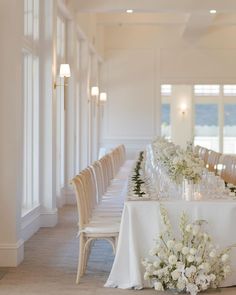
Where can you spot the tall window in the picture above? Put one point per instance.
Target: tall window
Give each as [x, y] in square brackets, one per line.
[165, 120]
[30, 55]
[206, 126]
[60, 157]
[215, 117]
[229, 129]
[166, 91]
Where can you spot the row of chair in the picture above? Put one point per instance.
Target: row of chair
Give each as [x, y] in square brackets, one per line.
[223, 165]
[100, 190]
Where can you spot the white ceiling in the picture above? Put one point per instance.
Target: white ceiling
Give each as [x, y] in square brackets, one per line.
[192, 14]
[174, 6]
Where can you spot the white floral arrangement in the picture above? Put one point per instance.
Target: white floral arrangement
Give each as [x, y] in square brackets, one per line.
[191, 264]
[179, 164]
[186, 165]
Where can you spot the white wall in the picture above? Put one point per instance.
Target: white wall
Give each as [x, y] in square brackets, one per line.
[14, 227]
[138, 58]
[11, 243]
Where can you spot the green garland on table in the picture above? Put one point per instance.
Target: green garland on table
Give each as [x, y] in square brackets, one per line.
[136, 179]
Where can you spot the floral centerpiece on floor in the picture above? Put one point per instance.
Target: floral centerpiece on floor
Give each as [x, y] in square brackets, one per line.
[191, 264]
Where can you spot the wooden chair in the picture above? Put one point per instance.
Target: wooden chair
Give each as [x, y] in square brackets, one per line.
[90, 230]
[213, 160]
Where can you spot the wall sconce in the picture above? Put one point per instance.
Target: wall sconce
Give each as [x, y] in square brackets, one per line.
[64, 73]
[95, 91]
[103, 97]
[183, 108]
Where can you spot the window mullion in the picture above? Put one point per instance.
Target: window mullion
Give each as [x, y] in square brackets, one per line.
[221, 119]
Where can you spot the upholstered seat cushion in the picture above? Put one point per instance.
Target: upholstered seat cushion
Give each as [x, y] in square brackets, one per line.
[101, 228]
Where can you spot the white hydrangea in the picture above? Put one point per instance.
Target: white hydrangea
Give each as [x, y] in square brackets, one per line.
[191, 264]
[175, 275]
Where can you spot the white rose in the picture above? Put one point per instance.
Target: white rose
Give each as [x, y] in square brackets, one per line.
[178, 247]
[212, 254]
[172, 259]
[225, 257]
[188, 272]
[170, 244]
[193, 268]
[158, 286]
[185, 250]
[192, 251]
[189, 228]
[175, 275]
[190, 258]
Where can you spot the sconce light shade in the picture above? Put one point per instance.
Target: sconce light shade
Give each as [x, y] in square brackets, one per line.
[103, 97]
[94, 91]
[65, 70]
[183, 108]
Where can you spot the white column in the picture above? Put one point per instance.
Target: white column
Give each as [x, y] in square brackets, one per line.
[70, 113]
[48, 116]
[181, 123]
[85, 97]
[94, 109]
[11, 132]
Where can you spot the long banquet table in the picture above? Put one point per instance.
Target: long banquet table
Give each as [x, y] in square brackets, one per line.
[141, 223]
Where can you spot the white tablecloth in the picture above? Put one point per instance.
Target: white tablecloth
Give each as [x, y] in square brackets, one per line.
[141, 223]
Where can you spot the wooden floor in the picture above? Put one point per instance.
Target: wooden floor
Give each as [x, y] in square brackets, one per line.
[50, 265]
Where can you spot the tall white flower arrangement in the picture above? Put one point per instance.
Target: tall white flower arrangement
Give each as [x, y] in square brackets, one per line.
[176, 162]
[190, 264]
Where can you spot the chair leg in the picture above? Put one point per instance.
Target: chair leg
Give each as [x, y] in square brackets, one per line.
[80, 258]
[87, 253]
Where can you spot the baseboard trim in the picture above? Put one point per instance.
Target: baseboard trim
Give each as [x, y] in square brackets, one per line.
[48, 218]
[30, 223]
[11, 255]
